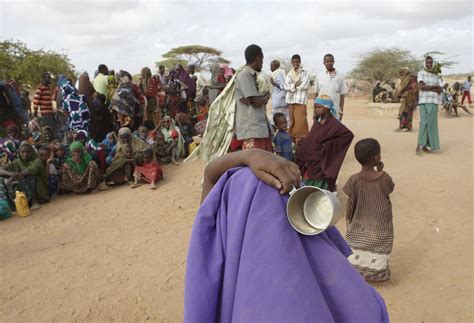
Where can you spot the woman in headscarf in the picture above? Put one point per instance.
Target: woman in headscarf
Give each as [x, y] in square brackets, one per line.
[173, 136]
[80, 173]
[121, 169]
[184, 78]
[26, 174]
[250, 263]
[320, 155]
[430, 89]
[215, 85]
[150, 86]
[123, 101]
[101, 119]
[408, 92]
[86, 88]
[176, 94]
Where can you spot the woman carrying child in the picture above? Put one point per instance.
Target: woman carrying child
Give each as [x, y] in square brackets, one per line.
[173, 138]
[320, 155]
[369, 213]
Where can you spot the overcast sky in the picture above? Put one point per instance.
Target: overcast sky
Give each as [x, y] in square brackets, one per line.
[131, 34]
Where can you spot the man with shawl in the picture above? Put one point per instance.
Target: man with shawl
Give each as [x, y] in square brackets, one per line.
[296, 85]
[80, 173]
[320, 155]
[252, 266]
[408, 94]
[26, 174]
[277, 80]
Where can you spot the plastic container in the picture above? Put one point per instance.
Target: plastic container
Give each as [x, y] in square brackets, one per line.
[21, 204]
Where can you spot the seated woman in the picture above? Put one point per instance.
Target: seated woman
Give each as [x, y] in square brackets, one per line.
[173, 138]
[147, 169]
[121, 167]
[252, 266]
[26, 174]
[80, 173]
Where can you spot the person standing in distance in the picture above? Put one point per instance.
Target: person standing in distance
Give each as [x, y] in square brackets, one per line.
[332, 83]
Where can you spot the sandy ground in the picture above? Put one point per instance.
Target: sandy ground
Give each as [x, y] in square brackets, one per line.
[120, 255]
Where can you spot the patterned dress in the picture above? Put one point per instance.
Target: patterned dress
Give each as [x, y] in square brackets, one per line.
[370, 226]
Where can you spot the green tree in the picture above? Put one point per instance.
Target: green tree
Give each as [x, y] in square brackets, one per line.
[201, 56]
[383, 64]
[26, 66]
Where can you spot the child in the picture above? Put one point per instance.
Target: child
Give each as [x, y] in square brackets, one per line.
[172, 138]
[142, 133]
[369, 213]
[282, 140]
[147, 169]
[320, 155]
[163, 150]
[186, 130]
[108, 145]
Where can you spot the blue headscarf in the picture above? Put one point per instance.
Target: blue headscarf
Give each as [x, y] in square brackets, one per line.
[326, 101]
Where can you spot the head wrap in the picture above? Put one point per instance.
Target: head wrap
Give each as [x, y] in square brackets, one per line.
[76, 145]
[124, 131]
[326, 101]
[82, 134]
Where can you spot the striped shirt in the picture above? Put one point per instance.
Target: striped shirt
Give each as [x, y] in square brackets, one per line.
[369, 213]
[43, 100]
[154, 87]
[429, 79]
[297, 94]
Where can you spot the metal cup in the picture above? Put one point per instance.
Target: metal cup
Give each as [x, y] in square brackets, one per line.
[311, 210]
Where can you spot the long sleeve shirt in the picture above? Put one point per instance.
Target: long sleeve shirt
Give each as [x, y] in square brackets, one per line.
[297, 94]
[43, 100]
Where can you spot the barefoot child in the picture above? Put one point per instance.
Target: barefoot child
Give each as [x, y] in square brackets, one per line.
[369, 213]
[147, 169]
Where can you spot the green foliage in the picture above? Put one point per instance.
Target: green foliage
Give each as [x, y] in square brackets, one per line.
[383, 64]
[26, 66]
[201, 56]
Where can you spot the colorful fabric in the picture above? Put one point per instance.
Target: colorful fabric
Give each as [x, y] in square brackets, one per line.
[259, 143]
[428, 134]
[283, 144]
[43, 100]
[80, 167]
[254, 267]
[72, 181]
[327, 102]
[149, 172]
[321, 153]
[75, 107]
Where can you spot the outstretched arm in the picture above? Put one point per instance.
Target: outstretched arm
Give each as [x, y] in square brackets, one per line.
[273, 170]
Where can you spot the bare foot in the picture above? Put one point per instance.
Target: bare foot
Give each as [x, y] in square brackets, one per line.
[135, 185]
[175, 163]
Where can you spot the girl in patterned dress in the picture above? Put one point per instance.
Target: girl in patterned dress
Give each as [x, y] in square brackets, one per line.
[369, 213]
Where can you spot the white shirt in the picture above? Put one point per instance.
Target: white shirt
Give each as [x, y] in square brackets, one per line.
[331, 85]
[297, 94]
[429, 79]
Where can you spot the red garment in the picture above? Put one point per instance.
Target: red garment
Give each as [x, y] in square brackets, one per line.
[466, 94]
[43, 100]
[154, 87]
[137, 92]
[259, 143]
[221, 80]
[322, 152]
[150, 172]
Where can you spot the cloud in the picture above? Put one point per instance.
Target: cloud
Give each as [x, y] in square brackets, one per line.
[132, 34]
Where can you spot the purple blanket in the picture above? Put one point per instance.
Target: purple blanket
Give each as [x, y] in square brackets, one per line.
[247, 264]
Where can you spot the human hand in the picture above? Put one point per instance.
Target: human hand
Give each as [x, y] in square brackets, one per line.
[273, 170]
[380, 166]
[245, 101]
